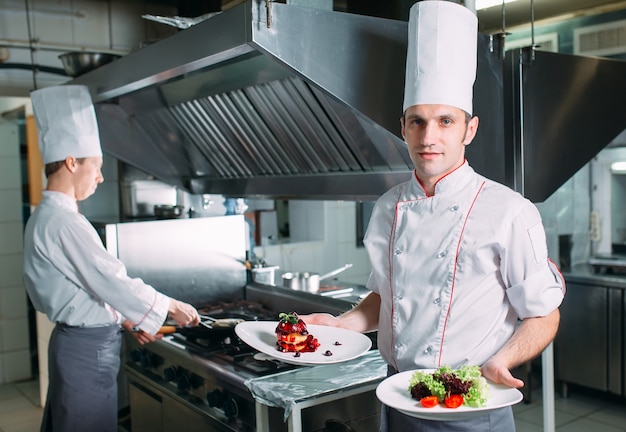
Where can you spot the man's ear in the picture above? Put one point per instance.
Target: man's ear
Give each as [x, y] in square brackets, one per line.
[70, 163]
[472, 128]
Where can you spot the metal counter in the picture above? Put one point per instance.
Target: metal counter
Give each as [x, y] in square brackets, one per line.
[586, 276]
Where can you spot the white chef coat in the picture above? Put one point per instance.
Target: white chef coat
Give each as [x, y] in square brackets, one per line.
[71, 277]
[456, 270]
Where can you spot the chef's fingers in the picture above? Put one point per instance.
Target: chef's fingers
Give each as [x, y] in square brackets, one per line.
[142, 337]
[184, 314]
[500, 374]
[321, 319]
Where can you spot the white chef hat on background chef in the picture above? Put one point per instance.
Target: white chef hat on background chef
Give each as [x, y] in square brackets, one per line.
[66, 123]
[441, 55]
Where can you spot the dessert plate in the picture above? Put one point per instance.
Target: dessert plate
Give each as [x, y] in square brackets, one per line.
[342, 344]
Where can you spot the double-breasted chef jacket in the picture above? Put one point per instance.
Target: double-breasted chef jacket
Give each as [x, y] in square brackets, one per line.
[456, 271]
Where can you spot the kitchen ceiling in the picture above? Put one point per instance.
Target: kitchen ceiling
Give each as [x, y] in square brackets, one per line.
[517, 13]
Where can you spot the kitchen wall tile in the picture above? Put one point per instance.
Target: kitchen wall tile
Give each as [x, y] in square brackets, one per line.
[334, 251]
[14, 334]
[332, 224]
[10, 174]
[13, 302]
[361, 268]
[11, 266]
[17, 366]
[306, 220]
[9, 141]
[304, 257]
[13, 212]
[346, 220]
[331, 259]
[11, 237]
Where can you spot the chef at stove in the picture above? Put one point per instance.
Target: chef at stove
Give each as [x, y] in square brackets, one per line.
[457, 259]
[71, 277]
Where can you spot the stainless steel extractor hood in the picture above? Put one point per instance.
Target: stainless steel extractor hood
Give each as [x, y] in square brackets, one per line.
[305, 103]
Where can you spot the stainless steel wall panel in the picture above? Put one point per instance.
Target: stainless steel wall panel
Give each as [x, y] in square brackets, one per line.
[198, 260]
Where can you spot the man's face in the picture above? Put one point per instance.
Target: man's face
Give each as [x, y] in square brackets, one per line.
[436, 136]
[88, 175]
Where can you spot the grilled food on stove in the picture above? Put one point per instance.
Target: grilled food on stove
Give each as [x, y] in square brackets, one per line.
[292, 334]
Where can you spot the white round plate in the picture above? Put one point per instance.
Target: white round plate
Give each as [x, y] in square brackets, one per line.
[394, 392]
[261, 336]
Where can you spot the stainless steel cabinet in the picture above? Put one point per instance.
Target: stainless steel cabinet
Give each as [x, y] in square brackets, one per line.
[589, 345]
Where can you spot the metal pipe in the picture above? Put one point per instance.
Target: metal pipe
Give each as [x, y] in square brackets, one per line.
[39, 46]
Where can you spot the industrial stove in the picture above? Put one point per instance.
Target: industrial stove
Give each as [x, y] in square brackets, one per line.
[195, 380]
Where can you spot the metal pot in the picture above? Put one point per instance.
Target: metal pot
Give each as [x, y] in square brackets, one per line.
[309, 282]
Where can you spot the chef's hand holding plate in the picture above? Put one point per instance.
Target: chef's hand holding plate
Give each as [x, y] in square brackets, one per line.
[498, 372]
[325, 319]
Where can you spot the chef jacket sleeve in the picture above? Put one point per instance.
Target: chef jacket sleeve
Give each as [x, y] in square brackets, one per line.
[105, 277]
[535, 286]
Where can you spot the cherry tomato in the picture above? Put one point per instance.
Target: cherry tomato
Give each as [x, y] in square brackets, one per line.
[454, 401]
[429, 401]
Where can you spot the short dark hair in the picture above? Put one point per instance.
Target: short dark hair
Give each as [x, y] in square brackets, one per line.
[53, 167]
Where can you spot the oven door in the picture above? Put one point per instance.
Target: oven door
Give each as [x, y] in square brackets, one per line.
[156, 409]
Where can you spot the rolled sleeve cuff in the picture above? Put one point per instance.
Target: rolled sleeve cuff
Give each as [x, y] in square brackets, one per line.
[538, 295]
[154, 318]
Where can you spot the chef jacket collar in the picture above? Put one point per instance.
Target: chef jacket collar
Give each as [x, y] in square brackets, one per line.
[450, 183]
[62, 199]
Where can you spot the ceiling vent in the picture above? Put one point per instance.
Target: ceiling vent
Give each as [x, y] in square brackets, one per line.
[601, 40]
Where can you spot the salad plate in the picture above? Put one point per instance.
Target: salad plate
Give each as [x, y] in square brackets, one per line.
[343, 344]
[394, 392]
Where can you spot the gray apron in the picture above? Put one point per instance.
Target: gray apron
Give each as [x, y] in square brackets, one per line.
[82, 391]
[499, 420]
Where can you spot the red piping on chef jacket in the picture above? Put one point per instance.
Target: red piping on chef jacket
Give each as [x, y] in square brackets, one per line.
[456, 260]
[558, 270]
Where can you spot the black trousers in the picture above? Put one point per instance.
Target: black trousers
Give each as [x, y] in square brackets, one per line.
[83, 364]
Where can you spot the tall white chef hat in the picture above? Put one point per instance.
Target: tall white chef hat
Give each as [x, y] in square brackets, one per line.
[66, 122]
[441, 55]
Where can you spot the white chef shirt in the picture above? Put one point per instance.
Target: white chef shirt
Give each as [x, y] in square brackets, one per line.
[456, 270]
[71, 277]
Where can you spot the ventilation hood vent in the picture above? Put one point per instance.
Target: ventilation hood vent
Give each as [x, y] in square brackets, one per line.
[306, 103]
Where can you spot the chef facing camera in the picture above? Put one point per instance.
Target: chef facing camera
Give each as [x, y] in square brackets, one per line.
[457, 259]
